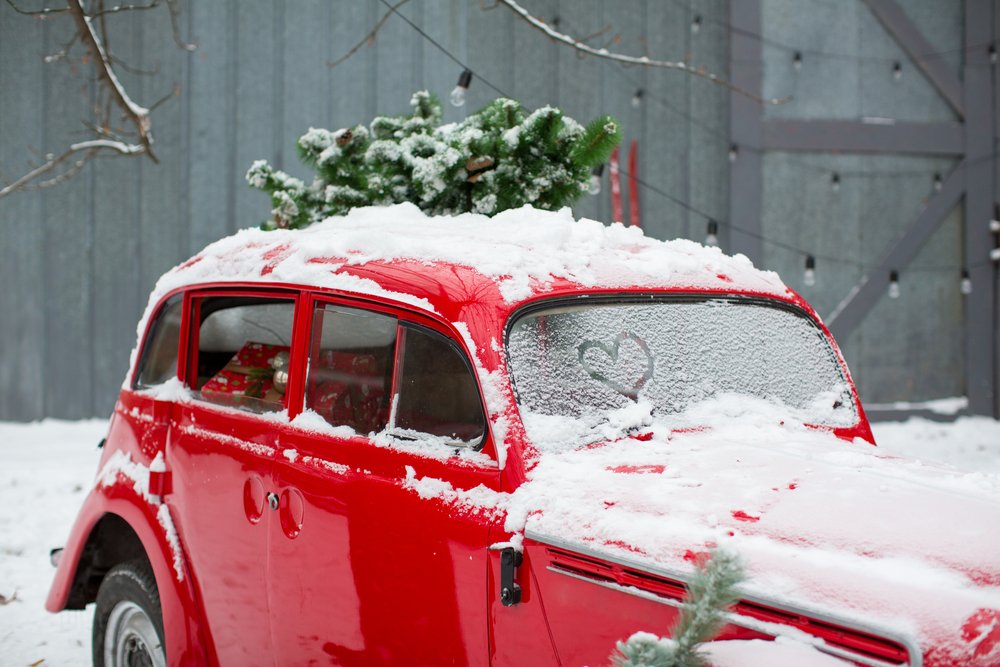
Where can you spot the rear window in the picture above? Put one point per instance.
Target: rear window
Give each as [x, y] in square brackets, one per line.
[576, 367]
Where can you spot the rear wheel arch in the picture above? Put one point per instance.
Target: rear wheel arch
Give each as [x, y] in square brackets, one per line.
[112, 540]
[129, 532]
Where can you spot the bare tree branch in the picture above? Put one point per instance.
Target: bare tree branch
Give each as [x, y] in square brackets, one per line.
[39, 13]
[367, 39]
[139, 115]
[175, 13]
[124, 8]
[64, 51]
[88, 148]
[642, 61]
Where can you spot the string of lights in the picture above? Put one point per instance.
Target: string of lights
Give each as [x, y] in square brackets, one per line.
[713, 223]
[642, 95]
[798, 53]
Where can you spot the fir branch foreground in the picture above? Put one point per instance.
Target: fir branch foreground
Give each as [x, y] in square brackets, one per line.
[498, 158]
[711, 591]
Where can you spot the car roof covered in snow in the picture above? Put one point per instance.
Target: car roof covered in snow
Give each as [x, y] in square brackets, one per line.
[438, 264]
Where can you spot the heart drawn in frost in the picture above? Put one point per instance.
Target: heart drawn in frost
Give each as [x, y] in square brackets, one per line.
[600, 368]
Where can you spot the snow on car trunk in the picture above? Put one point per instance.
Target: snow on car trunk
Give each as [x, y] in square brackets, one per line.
[822, 524]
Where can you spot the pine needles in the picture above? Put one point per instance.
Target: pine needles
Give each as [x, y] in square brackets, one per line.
[496, 159]
[711, 591]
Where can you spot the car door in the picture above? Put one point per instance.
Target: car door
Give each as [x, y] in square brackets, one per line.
[375, 559]
[221, 454]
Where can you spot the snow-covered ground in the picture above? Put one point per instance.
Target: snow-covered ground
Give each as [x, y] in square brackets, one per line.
[47, 467]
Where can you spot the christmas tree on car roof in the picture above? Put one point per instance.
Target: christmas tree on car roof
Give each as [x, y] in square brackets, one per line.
[498, 158]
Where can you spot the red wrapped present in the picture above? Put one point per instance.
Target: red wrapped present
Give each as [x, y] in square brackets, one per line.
[247, 380]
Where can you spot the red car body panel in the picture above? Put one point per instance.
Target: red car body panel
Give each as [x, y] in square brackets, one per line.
[187, 635]
[354, 566]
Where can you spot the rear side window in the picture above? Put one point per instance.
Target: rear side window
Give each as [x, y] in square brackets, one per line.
[350, 367]
[375, 375]
[437, 393]
[243, 352]
[159, 351]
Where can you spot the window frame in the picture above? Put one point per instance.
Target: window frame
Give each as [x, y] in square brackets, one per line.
[403, 319]
[148, 335]
[193, 300]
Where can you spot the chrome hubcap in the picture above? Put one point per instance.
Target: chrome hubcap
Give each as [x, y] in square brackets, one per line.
[130, 639]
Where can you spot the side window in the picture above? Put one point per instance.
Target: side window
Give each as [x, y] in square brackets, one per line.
[350, 367]
[243, 348]
[437, 392]
[159, 351]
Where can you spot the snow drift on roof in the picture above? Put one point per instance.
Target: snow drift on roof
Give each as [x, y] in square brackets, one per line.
[522, 249]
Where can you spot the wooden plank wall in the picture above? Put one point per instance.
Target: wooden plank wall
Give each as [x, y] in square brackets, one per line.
[77, 261]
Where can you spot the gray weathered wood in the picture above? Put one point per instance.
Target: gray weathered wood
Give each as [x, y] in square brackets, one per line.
[117, 292]
[209, 100]
[22, 265]
[67, 223]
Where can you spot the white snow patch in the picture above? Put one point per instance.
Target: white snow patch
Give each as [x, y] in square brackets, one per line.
[479, 498]
[940, 406]
[970, 443]
[760, 653]
[228, 440]
[310, 420]
[338, 468]
[167, 523]
[290, 454]
[170, 390]
[491, 384]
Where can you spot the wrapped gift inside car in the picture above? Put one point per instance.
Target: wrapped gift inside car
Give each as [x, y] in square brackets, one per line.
[249, 378]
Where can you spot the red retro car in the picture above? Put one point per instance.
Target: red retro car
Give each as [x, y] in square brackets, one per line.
[394, 439]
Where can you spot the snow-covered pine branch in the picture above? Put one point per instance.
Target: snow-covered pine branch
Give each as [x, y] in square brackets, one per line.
[711, 591]
[643, 61]
[499, 158]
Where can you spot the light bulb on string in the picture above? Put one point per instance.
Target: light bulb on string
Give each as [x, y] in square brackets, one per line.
[938, 183]
[595, 179]
[797, 61]
[637, 98]
[835, 182]
[696, 24]
[712, 233]
[897, 70]
[992, 51]
[966, 284]
[893, 284]
[733, 152]
[809, 277]
[457, 96]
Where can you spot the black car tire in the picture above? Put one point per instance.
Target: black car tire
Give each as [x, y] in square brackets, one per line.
[128, 623]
